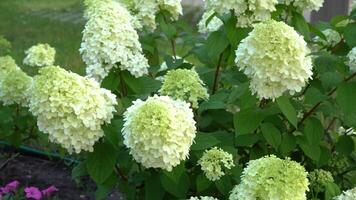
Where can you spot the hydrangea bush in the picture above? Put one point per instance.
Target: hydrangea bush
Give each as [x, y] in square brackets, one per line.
[252, 102]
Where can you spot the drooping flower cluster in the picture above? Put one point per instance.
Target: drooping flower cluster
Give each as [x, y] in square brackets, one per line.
[110, 41]
[213, 161]
[185, 85]
[305, 4]
[40, 55]
[272, 178]
[159, 131]
[71, 109]
[347, 195]
[351, 59]
[203, 198]
[208, 23]
[319, 179]
[276, 59]
[13, 83]
[144, 12]
[332, 38]
[246, 11]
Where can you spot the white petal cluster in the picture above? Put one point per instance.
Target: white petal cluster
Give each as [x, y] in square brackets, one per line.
[40, 55]
[110, 41]
[351, 59]
[347, 195]
[144, 12]
[214, 161]
[13, 83]
[342, 131]
[214, 23]
[71, 109]
[272, 178]
[303, 5]
[202, 198]
[332, 38]
[276, 59]
[159, 131]
[246, 11]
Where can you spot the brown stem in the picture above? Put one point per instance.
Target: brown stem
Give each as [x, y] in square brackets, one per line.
[217, 72]
[121, 173]
[173, 44]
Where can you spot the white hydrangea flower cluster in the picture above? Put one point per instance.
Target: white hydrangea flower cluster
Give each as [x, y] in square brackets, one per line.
[213, 25]
[159, 131]
[332, 38]
[110, 40]
[144, 12]
[184, 84]
[305, 4]
[276, 59]
[71, 109]
[13, 82]
[351, 59]
[272, 178]
[246, 11]
[213, 161]
[40, 55]
[202, 198]
[347, 195]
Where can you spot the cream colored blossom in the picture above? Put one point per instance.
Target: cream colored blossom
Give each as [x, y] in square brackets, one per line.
[202, 198]
[276, 59]
[214, 23]
[272, 178]
[145, 11]
[351, 60]
[13, 88]
[40, 55]
[110, 41]
[71, 109]
[347, 195]
[185, 85]
[159, 131]
[303, 5]
[332, 38]
[214, 161]
[246, 11]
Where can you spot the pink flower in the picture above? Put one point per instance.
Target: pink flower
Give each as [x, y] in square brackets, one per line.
[48, 192]
[9, 187]
[33, 193]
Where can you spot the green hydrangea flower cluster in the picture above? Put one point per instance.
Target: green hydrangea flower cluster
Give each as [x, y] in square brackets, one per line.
[276, 59]
[272, 178]
[13, 83]
[319, 179]
[159, 131]
[40, 55]
[213, 161]
[185, 85]
[71, 109]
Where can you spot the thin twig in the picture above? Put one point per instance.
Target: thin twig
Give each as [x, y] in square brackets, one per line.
[8, 160]
[173, 44]
[121, 173]
[217, 72]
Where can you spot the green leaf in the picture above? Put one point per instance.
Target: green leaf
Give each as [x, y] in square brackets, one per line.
[247, 121]
[330, 80]
[204, 141]
[311, 150]
[349, 34]
[142, 85]
[235, 34]
[79, 170]
[314, 96]
[224, 185]
[313, 131]
[346, 98]
[288, 110]
[288, 144]
[301, 25]
[332, 190]
[153, 187]
[102, 192]
[345, 145]
[271, 134]
[100, 164]
[167, 28]
[178, 189]
[246, 140]
[202, 183]
[216, 43]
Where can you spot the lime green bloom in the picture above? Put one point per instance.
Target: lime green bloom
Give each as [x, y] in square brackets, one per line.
[40, 55]
[319, 179]
[272, 178]
[13, 88]
[213, 161]
[347, 195]
[71, 109]
[7, 64]
[185, 85]
[159, 131]
[276, 59]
